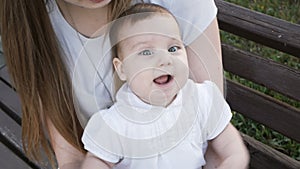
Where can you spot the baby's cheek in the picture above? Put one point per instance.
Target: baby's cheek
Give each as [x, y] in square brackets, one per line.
[182, 65]
[184, 61]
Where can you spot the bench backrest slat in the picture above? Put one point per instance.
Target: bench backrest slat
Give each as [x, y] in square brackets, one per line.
[267, 158]
[264, 109]
[264, 29]
[266, 72]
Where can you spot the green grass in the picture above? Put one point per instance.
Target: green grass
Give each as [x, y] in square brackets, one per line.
[288, 10]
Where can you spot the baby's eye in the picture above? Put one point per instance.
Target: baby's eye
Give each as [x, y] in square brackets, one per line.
[146, 52]
[173, 49]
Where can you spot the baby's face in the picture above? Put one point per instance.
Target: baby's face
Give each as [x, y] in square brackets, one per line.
[154, 60]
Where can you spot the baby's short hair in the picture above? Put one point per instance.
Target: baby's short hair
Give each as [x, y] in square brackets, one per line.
[135, 13]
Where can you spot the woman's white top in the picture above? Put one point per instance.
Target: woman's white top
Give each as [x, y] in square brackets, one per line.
[91, 66]
[139, 135]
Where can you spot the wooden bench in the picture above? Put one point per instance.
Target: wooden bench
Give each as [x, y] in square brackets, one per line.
[279, 116]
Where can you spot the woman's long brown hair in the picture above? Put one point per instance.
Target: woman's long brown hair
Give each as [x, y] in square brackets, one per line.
[36, 64]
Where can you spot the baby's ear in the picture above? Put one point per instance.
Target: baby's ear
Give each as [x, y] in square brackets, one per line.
[119, 68]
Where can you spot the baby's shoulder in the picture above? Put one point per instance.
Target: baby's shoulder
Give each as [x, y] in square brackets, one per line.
[103, 114]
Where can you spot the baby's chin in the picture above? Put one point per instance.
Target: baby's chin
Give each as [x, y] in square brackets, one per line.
[162, 98]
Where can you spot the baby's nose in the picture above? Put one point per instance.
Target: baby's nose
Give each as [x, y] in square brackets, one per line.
[165, 59]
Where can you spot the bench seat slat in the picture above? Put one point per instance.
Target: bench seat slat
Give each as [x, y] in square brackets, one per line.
[11, 136]
[9, 160]
[4, 75]
[11, 131]
[10, 102]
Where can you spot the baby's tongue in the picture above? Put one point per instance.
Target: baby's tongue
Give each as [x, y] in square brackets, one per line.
[162, 79]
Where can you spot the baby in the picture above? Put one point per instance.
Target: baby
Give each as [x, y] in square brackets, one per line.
[161, 119]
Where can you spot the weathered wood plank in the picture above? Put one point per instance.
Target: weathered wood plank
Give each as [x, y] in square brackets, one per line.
[261, 28]
[11, 131]
[4, 76]
[2, 61]
[264, 109]
[263, 71]
[9, 160]
[265, 157]
[10, 102]
[11, 136]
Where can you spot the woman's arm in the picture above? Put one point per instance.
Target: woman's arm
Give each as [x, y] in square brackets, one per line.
[92, 162]
[230, 148]
[67, 156]
[205, 58]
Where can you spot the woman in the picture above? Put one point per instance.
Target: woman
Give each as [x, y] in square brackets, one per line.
[48, 47]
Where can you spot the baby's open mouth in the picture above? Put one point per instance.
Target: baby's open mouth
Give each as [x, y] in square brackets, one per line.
[164, 79]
